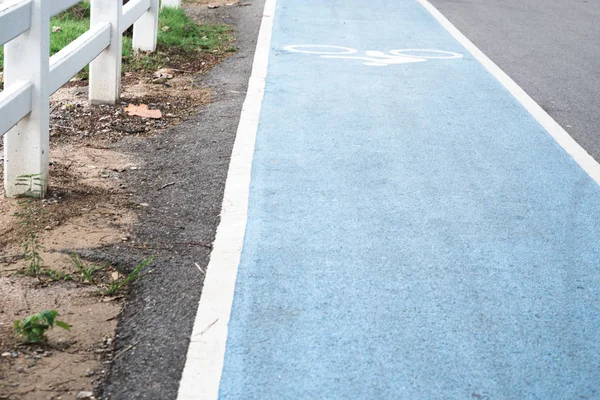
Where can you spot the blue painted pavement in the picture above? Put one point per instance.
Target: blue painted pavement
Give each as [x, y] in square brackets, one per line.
[413, 232]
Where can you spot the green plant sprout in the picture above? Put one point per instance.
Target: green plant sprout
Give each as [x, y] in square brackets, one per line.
[34, 327]
[115, 286]
[31, 247]
[86, 272]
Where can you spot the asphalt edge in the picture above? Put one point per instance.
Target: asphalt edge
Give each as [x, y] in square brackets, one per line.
[205, 357]
[560, 135]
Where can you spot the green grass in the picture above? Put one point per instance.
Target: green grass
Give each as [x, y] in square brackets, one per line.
[178, 33]
[86, 273]
[115, 286]
[73, 23]
[185, 35]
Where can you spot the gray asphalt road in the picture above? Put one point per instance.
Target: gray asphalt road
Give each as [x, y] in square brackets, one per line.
[551, 48]
[155, 326]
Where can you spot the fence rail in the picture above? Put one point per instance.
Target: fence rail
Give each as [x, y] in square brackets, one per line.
[31, 76]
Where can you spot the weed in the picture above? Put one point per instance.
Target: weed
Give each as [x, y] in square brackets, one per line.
[34, 327]
[86, 272]
[115, 286]
[57, 276]
[31, 247]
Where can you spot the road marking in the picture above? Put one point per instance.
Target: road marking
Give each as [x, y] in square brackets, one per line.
[562, 137]
[204, 365]
[373, 58]
[439, 54]
[305, 48]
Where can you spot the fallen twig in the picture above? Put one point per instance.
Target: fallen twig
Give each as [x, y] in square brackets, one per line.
[199, 269]
[126, 349]
[207, 328]
[166, 185]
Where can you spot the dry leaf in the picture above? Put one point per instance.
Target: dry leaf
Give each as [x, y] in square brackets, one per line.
[143, 111]
[56, 29]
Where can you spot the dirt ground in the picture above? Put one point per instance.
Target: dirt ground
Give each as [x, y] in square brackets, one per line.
[88, 206]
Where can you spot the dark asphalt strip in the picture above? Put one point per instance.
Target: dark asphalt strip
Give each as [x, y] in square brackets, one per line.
[155, 327]
[550, 48]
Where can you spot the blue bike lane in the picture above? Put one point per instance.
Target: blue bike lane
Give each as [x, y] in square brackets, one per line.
[412, 232]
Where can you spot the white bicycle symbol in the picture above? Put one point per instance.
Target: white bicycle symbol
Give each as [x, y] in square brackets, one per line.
[374, 58]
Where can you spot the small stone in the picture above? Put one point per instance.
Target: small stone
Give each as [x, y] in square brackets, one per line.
[162, 75]
[90, 372]
[7, 354]
[84, 395]
[159, 80]
[20, 370]
[47, 228]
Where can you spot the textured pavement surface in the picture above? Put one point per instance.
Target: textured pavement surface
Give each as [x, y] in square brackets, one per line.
[155, 327]
[550, 48]
[413, 233]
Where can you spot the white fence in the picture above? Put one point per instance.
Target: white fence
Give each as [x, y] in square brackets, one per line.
[31, 76]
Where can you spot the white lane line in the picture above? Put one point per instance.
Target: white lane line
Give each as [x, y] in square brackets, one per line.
[204, 365]
[561, 136]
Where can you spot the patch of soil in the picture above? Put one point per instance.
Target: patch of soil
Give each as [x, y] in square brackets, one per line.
[70, 361]
[73, 119]
[85, 184]
[87, 208]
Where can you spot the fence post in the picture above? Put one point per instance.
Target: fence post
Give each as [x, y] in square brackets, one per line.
[170, 3]
[26, 146]
[145, 29]
[105, 70]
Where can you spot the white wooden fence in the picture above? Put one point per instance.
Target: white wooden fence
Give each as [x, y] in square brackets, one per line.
[31, 76]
